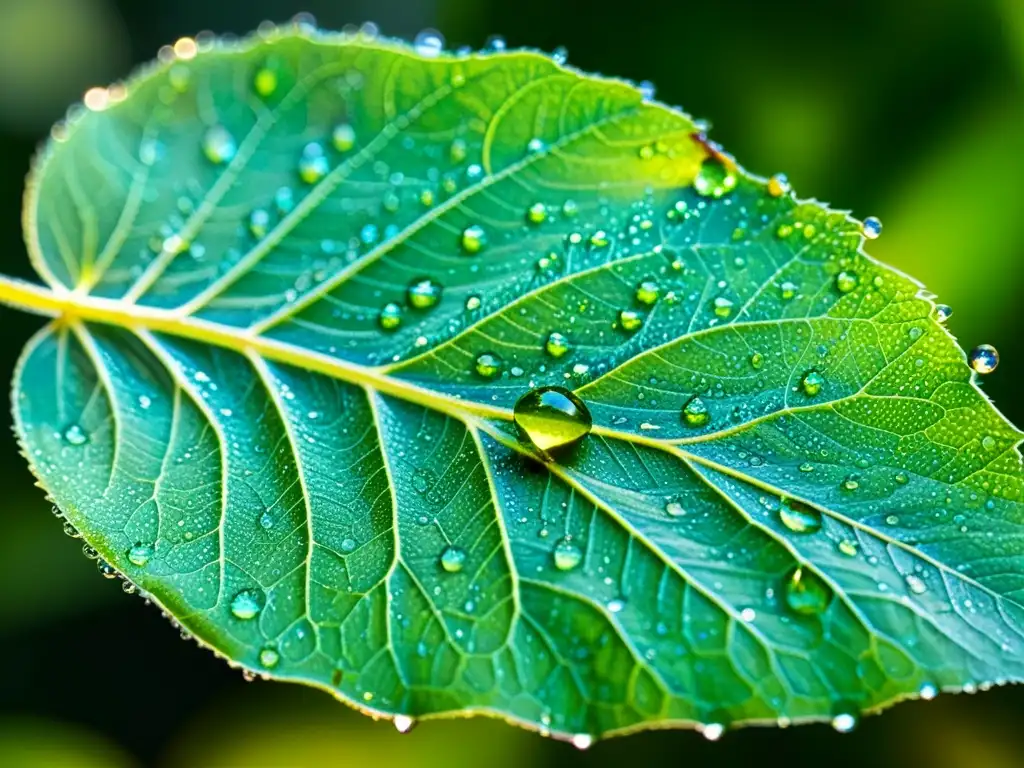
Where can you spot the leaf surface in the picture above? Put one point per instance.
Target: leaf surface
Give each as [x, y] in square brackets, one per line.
[301, 283]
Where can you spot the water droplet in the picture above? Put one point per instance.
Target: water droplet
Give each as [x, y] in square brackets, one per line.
[844, 722]
[265, 81]
[984, 358]
[806, 593]
[695, 412]
[847, 547]
[429, 43]
[452, 559]
[390, 316]
[567, 555]
[916, 584]
[988, 443]
[266, 521]
[756, 360]
[599, 239]
[348, 545]
[851, 482]
[313, 165]
[343, 137]
[473, 303]
[269, 658]
[722, 306]
[630, 320]
[582, 740]
[140, 554]
[713, 731]
[557, 344]
[424, 293]
[246, 605]
[537, 213]
[811, 383]
[259, 223]
[778, 185]
[473, 239]
[570, 208]
[616, 605]
[675, 509]
[488, 365]
[535, 145]
[928, 691]
[846, 281]
[560, 55]
[404, 723]
[788, 290]
[714, 179]
[647, 90]
[901, 478]
[284, 201]
[647, 292]
[75, 435]
[799, 517]
[872, 227]
[943, 312]
[219, 146]
[551, 418]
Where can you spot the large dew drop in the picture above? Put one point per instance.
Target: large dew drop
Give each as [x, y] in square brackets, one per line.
[714, 179]
[557, 344]
[488, 365]
[811, 383]
[452, 559]
[549, 418]
[474, 238]
[984, 358]
[806, 593]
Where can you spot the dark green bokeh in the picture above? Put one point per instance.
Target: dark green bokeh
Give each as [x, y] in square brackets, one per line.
[910, 110]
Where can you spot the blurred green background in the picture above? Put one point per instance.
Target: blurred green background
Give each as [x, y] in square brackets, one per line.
[912, 110]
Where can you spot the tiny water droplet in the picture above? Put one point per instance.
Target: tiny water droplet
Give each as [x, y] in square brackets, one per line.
[984, 358]
[423, 293]
[844, 722]
[259, 223]
[567, 555]
[557, 345]
[778, 185]
[943, 312]
[851, 482]
[847, 547]
[140, 554]
[313, 165]
[630, 320]
[429, 43]
[599, 239]
[872, 227]
[647, 291]
[714, 179]
[712, 731]
[788, 290]
[474, 238]
[452, 559]
[928, 691]
[647, 90]
[348, 545]
[269, 657]
[695, 412]
[582, 740]
[488, 365]
[756, 360]
[811, 383]
[246, 605]
[404, 723]
[806, 593]
[219, 146]
[265, 81]
[846, 281]
[551, 417]
[390, 316]
[675, 509]
[266, 521]
[343, 137]
[537, 213]
[570, 208]
[722, 306]
[75, 435]
[799, 517]
[916, 584]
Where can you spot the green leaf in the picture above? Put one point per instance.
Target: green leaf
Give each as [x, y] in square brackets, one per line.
[301, 284]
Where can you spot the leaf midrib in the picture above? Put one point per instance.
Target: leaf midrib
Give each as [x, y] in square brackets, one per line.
[70, 308]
